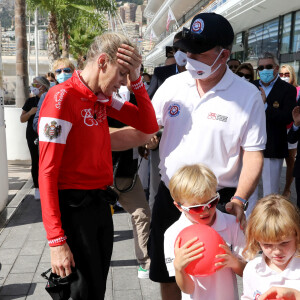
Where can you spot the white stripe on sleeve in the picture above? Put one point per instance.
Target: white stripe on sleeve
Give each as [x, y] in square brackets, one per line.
[54, 130]
[117, 103]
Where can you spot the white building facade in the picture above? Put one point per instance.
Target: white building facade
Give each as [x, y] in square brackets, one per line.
[259, 26]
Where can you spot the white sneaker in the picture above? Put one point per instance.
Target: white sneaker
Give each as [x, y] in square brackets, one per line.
[37, 194]
[143, 273]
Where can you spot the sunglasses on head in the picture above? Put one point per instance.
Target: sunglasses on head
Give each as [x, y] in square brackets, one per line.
[197, 209]
[284, 74]
[65, 70]
[268, 67]
[241, 74]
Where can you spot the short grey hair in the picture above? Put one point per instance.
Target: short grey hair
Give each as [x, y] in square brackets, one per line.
[107, 43]
[268, 55]
[43, 81]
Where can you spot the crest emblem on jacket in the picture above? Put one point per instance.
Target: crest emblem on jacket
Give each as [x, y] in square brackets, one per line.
[53, 130]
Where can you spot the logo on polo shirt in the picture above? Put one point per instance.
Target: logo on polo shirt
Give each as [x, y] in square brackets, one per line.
[174, 110]
[217, 117]
[53, 130]
[169, 260]
[256, 295]
[198, 26]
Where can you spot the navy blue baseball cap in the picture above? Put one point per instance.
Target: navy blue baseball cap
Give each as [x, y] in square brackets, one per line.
[207, 31]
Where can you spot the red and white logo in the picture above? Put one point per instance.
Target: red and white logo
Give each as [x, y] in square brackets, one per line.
[58, 97]
[174, 110]
[217, 117]
[198, 26]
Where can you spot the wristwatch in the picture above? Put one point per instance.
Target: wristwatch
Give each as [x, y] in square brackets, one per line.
[245, 202]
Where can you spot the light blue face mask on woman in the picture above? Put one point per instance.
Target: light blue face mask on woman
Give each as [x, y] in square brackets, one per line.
[266, 75]
[62, 77]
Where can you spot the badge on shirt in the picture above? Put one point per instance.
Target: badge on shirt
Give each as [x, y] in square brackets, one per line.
[174, 110]
[52, 131]
[275, 104]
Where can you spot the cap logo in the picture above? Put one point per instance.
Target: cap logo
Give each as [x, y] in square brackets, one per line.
[198, 26]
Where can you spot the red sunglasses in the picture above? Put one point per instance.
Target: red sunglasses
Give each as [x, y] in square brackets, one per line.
[197, 209]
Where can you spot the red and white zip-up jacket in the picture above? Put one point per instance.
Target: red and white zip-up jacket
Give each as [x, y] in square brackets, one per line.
[75, 149]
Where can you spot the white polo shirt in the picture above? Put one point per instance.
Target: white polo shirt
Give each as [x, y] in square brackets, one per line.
[258, 277]
[211, 129]
[221, 285]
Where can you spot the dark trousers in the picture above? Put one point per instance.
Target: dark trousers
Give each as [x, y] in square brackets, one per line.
[164, 214]
[225, 196]
[89, 229]
[34, 153]
[297, 184]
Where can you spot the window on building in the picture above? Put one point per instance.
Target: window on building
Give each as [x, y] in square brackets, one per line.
[286, 34]
[296, 38]
[263, 38]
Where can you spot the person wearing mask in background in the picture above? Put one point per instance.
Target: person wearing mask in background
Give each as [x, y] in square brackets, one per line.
[279, 102]
[287, 74]
[63, 69]
[159, 76]
[51, 78]
[245, 70]
[233, 64]
[39, 87]
[146, 79]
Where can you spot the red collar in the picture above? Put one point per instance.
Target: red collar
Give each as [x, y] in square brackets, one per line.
[78, 84]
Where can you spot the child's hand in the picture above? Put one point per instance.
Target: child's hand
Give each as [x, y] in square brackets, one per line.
[187, 253]
[228, 259]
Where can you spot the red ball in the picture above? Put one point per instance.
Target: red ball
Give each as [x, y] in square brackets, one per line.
[211, 240]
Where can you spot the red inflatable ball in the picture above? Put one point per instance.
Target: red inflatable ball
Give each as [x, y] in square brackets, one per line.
[211, 240]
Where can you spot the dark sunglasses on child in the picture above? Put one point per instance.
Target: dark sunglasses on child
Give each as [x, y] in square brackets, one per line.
[241, 74]
[268, 67]
[198, 209]
[65, 70]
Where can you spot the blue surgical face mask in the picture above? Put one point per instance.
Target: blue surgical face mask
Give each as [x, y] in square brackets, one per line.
[266, 75]
[52, 83]
[62, 77]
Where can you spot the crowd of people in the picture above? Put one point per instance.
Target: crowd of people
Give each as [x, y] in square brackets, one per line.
[202, 131]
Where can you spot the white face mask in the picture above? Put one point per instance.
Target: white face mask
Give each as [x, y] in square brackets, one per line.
[34, 90]
[286, 79]
[180, 58]
[200, 70]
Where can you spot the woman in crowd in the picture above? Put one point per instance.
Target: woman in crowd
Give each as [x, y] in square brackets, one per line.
[39, 86]
[51, 78]
[246, 70]
[287, 73]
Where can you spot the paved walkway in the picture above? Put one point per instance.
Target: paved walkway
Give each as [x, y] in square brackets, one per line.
[24, 253]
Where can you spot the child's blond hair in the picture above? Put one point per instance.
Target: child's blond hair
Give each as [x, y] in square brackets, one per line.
[272, 220]
[192, 181]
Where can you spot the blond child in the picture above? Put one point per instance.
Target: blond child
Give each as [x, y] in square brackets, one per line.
[193, 189]
[274, 229]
